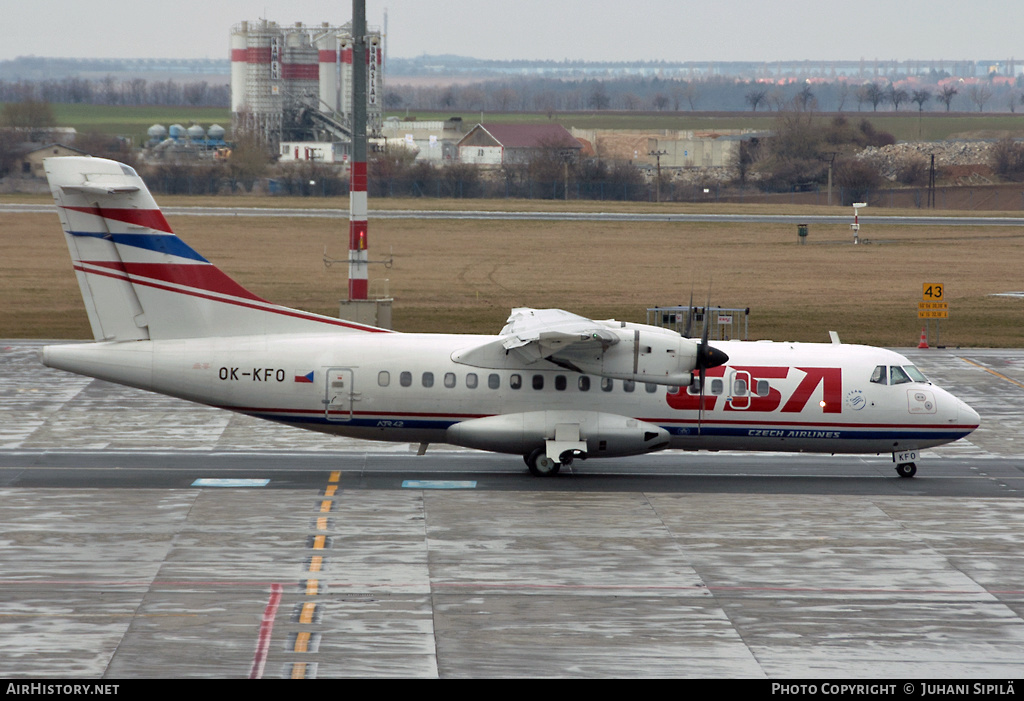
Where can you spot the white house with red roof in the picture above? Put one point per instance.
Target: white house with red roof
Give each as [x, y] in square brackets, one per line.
[498, 144]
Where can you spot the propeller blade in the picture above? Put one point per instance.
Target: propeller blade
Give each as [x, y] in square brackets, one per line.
[700, 403]
[707, 357]
[688, 333]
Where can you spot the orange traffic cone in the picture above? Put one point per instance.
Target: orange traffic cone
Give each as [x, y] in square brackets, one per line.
[924, 340]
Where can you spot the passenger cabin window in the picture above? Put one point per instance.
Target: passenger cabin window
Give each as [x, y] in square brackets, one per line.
[628, 385]
[607, 384]
[538, 382]
[449, 379]
[717, 387]
[494, 380]
[650, 387]
[583, 383]
[428, 379]
[471, 380]
[516, 381]
[739, 388]
[763, 388]
[383, 378]
[405, 379]
[560, 383]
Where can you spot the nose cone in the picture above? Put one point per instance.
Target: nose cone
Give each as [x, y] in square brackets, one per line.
[967, 417]
[711, 357]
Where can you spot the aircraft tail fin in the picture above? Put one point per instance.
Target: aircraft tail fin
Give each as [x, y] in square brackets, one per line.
[138, 279]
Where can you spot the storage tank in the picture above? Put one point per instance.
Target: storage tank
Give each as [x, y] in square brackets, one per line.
[196, 133]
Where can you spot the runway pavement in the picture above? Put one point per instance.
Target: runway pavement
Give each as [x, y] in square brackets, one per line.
[141, 536]
[499, 215]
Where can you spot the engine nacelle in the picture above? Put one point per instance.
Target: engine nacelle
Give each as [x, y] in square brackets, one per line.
[642, 353]
[599, 434]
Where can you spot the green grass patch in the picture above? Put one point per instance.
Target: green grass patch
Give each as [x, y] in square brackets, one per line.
[133, 122]
[905, 126]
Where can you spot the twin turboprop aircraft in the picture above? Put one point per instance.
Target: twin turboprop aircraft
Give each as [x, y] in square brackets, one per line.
[552, 386]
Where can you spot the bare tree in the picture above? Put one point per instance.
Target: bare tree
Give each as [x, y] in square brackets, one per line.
[692, 93]
[631, 101]
[947, 94]
[896, 96]
[598, 99]
[872, 93]
[804, 99]
[756, 96]
[842, 92]
[921, 97]
[979, 94]
[505, 97]
[30, 119]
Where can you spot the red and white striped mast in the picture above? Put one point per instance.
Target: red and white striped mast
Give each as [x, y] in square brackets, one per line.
[358, 262]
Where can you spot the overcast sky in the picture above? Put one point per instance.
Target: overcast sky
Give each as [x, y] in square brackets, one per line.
[672, 30]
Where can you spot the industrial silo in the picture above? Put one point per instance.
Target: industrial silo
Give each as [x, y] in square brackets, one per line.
[300, 69]
[329, 59]
[258, 109]
[239, 65]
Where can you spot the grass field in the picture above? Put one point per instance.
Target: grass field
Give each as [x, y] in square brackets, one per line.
[905, 126]
[133, 122]
[465, 276]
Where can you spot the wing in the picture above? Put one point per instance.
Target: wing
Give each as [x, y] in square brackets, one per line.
[607, 348]
[542, 333]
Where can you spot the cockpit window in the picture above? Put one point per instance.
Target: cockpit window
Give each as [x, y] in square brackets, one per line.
[915, 374]
[898, 376]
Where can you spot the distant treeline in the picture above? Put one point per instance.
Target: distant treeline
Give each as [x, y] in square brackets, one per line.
[934, 91]
[112, 91]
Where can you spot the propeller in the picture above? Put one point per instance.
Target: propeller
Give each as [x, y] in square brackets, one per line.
[707, 357]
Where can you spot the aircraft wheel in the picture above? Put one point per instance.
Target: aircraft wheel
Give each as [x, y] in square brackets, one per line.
[541, 465]
[906, 469]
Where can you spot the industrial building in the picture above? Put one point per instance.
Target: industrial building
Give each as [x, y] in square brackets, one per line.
[431, 141]
[292, 86]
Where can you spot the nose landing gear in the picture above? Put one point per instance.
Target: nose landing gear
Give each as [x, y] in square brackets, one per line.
[906, 469]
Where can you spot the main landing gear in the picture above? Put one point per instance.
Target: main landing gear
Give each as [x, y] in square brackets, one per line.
[542, 466]
[906, 469]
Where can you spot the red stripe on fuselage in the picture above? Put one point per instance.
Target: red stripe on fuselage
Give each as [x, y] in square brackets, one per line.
[150, 218]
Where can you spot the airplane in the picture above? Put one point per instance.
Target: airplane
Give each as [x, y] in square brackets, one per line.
[551, 386]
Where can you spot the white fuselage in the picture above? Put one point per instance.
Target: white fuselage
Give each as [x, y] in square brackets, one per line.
[407, 387]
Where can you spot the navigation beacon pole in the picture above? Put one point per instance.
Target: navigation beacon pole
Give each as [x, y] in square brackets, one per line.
[358, 264]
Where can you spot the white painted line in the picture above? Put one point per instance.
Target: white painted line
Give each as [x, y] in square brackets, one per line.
[214, 482]
[439, 484]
